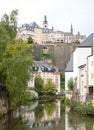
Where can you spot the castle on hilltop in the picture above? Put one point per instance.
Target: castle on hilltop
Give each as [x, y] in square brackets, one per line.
[44, 35]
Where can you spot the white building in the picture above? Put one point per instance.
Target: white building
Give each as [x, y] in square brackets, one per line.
[83, 83]
[79, 58]
[90, 72]
[46, 71]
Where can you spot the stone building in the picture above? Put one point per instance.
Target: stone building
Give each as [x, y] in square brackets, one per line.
[46, 71]
[44, 35]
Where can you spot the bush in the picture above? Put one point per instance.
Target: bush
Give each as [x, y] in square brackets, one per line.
[70, 83]
[86, 108]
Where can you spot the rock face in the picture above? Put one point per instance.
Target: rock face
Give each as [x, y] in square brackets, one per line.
[62, 53]
[3, 100]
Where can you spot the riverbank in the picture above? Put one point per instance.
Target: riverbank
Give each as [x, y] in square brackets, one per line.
[85, 109]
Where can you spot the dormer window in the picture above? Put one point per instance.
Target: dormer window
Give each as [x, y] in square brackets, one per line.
[35, 68]
[49, 69]
[42, 68]
[39, 68]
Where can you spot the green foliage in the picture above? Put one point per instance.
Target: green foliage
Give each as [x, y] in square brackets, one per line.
[50, 87]
[8, 27]
[50, 54]
[39, 113]
[62, 80]
[49, 108]
[76, 42]
[86, 108]
[15, 61]
[16, 124]
[30, 40]
[19, 63]
[70, 83]
[39, 85]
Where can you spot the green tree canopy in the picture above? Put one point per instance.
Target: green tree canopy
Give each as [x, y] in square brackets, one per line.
[30, 40]
[70, 83]
[62, 80]
[15, 61]
[8, 29]
[39, 84]
[50, 87]
[19, 67]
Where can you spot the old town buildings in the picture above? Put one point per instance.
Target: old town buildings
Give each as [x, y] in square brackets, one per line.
[46, 71]
[81, 69]
[42, 35]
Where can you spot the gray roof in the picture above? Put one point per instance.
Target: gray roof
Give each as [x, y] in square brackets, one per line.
[88, 42]
[34, 24]
[69, 67]
[30, 26]
[46, 66]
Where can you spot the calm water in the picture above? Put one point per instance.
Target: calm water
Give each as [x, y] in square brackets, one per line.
[45, 116]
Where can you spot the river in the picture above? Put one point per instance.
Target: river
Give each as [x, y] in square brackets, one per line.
[45, 116]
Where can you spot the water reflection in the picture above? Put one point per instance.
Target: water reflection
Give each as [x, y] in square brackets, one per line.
[45, 116]
[78, 122]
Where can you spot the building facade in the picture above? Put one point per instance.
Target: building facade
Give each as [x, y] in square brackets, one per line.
[82, 70]
[46, 72]
[44, 35]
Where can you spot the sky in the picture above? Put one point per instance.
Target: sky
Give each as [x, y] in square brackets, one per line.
[60, 13]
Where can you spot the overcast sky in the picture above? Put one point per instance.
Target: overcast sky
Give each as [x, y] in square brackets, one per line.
[60, 13]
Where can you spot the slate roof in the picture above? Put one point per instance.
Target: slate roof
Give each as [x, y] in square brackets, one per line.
[69, 67]
[30, 26]
[88, 42]
[45, 67]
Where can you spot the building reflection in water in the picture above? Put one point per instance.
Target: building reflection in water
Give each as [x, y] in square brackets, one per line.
[78, 122]
[46, 114]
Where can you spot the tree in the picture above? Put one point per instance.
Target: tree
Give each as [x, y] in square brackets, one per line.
[39, 85]
[8, 27]
[15, 61]
[19, 63]
[49, 108]
[62, 80]
[30, 40]
[70, 83]
[50, 87]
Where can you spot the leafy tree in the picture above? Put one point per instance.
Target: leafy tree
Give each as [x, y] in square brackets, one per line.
[76, 42]
[39, 84]
[15, 61]
[50, 108]
[50, 87]
[70, 83]
[30, 40]
[19, 63]
[8, 27]
[39, 113]
[62, 80]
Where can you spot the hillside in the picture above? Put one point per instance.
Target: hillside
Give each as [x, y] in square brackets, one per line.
[55, 54]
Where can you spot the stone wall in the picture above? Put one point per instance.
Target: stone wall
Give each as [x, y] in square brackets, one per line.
[62, 53]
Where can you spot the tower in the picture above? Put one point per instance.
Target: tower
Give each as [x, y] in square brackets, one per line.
[71, 29]
[45, 23]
